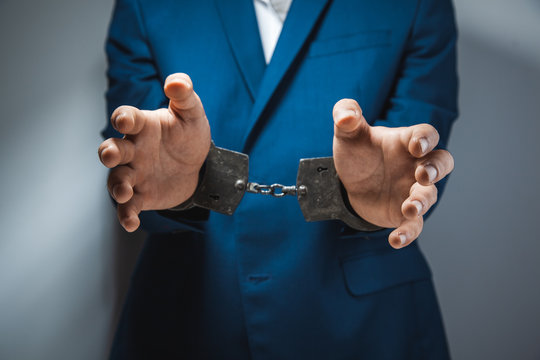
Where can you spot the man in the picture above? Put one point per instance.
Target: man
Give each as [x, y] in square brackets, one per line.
[264, 283]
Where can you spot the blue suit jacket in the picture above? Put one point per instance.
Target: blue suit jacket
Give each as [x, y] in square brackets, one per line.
[264, 283]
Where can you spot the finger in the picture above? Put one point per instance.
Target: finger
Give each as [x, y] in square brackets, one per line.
[433, 167]
[406, 233]
[420, 200]
[423, 138]
[120, 183]
[184, 101]
[113, 152]
[128, 213]
[128, 120]
[348, 119]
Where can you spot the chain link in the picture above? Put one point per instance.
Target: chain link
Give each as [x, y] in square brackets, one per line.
[275, 190]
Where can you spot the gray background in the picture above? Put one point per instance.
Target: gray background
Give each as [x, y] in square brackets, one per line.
[64, 263]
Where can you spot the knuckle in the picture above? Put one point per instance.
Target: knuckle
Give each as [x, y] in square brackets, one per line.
[118, 175]
[122, 212]
[423, 200]
[128, 149]
[430, 197]
[124, 147]
[112, 181]
[120, 146]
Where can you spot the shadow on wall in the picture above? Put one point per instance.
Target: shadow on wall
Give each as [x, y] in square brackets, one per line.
[482, 241]
[127, 247]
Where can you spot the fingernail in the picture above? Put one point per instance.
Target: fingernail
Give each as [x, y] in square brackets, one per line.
[346, 120]
[101, 153]
[346, 113]
[423, 144]
[120, 116]
[402, 239]
[180, 79]
[431, 171]
[115, 190]
[418, 206]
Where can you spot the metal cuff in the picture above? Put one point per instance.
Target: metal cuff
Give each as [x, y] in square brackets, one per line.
[323, 197]
[224, 180]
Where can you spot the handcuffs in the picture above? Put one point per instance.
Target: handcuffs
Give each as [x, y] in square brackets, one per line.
[224, 181]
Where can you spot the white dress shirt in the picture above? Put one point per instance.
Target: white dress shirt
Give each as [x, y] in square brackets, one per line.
[271, 15]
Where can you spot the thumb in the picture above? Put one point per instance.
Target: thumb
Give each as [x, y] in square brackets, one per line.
[184, 102]
[348, 119]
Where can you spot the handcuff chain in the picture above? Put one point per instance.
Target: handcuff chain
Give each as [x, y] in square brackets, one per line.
[318, 189]
[275, 190]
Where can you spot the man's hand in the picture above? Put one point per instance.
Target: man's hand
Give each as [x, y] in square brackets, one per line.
[388, 172]
[156, 165]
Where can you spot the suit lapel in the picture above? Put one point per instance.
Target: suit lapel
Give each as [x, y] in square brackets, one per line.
[240, 25]
[300, 21]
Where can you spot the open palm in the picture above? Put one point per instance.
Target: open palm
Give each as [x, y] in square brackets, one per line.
[389, 173]
[156, 165]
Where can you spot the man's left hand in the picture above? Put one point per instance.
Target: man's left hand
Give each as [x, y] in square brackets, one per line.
[389, 173]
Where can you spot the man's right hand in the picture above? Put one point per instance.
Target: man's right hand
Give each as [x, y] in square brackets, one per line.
[156, 165]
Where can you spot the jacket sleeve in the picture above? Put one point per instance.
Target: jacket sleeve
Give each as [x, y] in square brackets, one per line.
[133, 79]
[425, 90]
